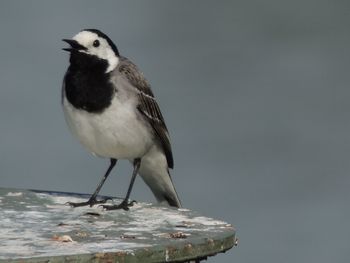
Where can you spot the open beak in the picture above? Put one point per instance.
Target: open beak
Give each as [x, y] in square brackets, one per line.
[74, 45]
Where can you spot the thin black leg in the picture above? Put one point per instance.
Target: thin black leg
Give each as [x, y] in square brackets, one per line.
[93, 199]
[125, 203]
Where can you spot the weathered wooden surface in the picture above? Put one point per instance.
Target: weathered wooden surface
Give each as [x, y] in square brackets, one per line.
[39, 227]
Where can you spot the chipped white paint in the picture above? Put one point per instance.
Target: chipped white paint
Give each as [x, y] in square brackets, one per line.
[30, 223]
[14, 194]
[166, 255]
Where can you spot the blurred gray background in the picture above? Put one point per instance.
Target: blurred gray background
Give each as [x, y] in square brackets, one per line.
[255, 95]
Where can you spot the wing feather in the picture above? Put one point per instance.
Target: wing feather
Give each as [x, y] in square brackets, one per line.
[148, 106]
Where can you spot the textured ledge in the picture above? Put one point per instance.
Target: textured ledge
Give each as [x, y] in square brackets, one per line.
[37, 226]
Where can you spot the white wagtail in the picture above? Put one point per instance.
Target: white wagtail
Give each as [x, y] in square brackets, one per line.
[110, 108]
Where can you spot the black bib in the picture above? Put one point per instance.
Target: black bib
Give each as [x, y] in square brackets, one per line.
[87, 85]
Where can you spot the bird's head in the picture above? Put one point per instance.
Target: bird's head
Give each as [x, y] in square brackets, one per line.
[95, 44]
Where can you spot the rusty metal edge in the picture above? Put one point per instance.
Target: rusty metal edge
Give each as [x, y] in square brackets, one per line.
[169, 253]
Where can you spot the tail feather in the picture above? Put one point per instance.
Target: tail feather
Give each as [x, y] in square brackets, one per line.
[154, 171]
[172, 200]
[171, 196]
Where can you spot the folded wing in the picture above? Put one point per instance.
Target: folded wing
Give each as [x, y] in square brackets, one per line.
[148, 106]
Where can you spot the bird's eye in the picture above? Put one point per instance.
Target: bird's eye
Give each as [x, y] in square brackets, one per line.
[96, 43]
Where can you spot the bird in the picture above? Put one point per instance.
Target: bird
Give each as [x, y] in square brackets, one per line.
[110, 108]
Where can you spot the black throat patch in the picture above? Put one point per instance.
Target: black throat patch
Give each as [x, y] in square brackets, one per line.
[87, 86]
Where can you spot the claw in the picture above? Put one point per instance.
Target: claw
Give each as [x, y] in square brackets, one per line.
[123, 205]
[90, 202]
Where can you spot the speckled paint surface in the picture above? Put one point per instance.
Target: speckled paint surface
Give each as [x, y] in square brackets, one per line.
[40, 227]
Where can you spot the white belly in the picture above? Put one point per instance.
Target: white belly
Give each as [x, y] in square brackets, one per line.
[118, 132]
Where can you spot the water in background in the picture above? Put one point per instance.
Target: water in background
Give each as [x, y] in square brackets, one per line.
[255, 95]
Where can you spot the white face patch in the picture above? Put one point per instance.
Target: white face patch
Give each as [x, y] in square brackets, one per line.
[103, 51]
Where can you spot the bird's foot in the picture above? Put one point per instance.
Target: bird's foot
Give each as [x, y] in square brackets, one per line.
[123, 205]
[90, 202]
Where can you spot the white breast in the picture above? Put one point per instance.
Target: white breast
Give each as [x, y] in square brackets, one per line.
[118, 132]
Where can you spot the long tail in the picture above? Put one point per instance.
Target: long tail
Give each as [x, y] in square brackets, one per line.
[154, 171]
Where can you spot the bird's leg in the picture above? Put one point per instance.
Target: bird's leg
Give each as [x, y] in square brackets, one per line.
[125, 203]
[92, 201]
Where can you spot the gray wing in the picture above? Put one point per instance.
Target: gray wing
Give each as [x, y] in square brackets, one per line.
[148, 105]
